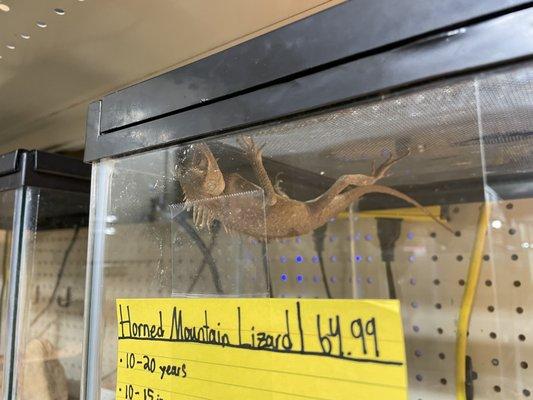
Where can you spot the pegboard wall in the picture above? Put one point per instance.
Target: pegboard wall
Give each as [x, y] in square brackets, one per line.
[429, 269]
[58, 319]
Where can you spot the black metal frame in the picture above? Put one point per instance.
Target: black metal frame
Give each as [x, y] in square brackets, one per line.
[345, 53]
[44, 170]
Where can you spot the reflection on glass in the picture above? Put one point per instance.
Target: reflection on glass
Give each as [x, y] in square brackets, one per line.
[378, 199]
[51, 295]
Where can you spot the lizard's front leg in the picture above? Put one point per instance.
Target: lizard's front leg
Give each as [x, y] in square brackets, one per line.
[254, 155]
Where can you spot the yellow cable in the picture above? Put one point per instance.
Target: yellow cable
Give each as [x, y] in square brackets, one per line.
[468, 301]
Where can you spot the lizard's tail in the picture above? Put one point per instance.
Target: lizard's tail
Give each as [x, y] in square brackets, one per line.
[395, 193]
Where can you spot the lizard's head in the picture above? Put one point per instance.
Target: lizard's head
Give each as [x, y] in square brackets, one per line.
[198, 173]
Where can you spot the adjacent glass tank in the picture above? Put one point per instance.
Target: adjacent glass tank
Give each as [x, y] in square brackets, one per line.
[44, 217]
[403, 196]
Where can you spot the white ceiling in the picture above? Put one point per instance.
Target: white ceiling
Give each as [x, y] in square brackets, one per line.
[99, 46]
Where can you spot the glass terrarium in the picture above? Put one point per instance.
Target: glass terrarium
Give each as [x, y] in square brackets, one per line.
[414, 187]
[44, 217]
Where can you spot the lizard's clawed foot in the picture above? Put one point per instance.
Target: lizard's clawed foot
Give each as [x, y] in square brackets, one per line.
[381, 171]
[249, 147]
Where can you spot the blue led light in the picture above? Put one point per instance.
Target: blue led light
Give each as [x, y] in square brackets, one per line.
[410, 235]
[358, 258]
[298, 240]
[299, 259]
[283, 259]
[299, 278]
[283, 277]
[315, 259]
[368, 237]
[333, 258]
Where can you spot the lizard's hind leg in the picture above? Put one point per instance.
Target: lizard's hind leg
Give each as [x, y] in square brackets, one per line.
[381, 171]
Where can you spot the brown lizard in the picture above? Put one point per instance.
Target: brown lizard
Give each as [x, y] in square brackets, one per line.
[214, 195]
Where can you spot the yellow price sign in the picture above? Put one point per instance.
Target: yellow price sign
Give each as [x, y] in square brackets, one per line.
[227, 349]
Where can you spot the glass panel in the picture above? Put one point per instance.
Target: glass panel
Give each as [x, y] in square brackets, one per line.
[7, 200]
[236, 267]
[378, 199]
[51, 295]
[500, 331]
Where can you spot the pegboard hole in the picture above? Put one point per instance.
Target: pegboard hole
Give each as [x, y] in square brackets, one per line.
[522, 337]
[509, 206]
[495, 362]
[433, 235]
[514, 257]
[442, 356]
[512, 231]
[435, 257]
[440, 331]
[419, 378]
[493, 335]
[486, 257]
[461, 282]
[519, 310]
[41, 24]
[438, 306]
[59, 11]
[436, 282]
[524, 365]
[457, 233]
[490, 308]
[459, 258]
[517, 283]
[497, 389]
[488, 282]
[526, 393]
[443, 381]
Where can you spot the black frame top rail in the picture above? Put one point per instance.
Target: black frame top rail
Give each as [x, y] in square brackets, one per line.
[417, 39]
[45, 170]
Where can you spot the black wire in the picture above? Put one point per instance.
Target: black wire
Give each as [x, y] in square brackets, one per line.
[204, 249]
[319, 237]
[390, 280]
[265, 268]
[59, 275]
[388, 233]
[207, 254]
